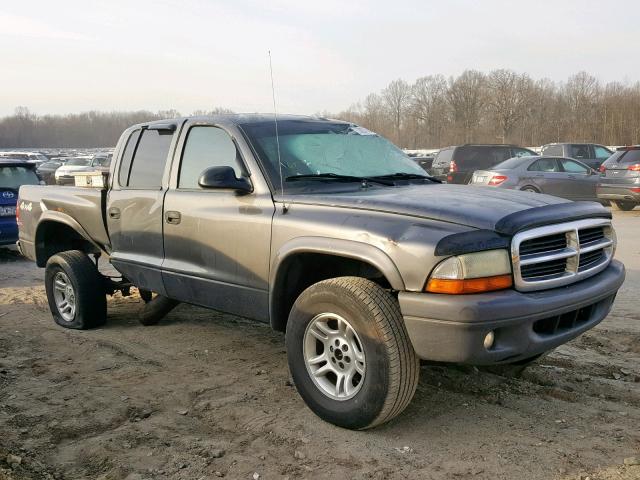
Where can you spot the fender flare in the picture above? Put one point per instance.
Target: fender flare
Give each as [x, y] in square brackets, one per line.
[51, 216]
[341, 248]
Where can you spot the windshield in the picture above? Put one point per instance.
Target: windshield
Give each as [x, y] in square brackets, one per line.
[13, 177]
[313, 147]
[81, 162]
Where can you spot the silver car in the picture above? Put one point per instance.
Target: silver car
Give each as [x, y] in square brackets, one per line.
[559, 176]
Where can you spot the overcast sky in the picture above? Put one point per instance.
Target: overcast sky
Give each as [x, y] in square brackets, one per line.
[70, 56]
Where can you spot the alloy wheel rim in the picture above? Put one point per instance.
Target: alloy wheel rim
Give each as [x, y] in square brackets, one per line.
[334, 356]
[64, 296]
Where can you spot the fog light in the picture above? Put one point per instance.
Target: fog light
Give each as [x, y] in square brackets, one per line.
[488, 340]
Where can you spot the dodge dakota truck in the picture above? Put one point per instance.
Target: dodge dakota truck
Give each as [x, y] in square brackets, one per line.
[334, 236]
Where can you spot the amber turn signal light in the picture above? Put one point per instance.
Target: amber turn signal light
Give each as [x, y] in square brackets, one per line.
[469, 285]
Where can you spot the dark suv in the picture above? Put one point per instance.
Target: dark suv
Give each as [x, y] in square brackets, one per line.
[457, 164]
[620, 180]
[589, 153]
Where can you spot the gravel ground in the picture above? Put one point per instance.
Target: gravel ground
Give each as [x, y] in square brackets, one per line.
[204, 395]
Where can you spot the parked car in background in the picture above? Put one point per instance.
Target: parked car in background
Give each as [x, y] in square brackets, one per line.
[46, 171]
[64, 174]
[589, 153]
[99, 162]
[425, 162]
[31, 157]
[457, 164]
[13, 174]
[620, 180]
[562, 177]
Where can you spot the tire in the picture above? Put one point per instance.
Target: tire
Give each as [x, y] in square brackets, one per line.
[530, 190]
[72, 275]
[624, 206]
[155, 310]
[380, 349]
[145, 295]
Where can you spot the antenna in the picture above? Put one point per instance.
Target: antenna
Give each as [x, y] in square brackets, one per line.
[275, 119]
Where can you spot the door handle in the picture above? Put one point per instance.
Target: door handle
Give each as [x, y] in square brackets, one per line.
[172, 217]
[114, 213]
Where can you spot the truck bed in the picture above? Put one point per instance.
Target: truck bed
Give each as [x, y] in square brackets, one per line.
[70, 205]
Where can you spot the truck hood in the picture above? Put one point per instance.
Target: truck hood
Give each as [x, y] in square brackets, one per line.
[478, 207]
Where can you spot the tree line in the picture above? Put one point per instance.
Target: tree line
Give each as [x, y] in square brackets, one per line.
[501, 106]
[82, 130]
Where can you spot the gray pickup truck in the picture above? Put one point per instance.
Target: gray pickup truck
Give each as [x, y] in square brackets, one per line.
[331, 234]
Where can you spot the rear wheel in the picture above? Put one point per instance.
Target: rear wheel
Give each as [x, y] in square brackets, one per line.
[75, 291]
[530, 189]
[349, 353]
[624, 206]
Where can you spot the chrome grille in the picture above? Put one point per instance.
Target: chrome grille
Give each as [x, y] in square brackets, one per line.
[556, 255]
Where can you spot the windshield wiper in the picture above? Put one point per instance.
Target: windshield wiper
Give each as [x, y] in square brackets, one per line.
[338, 177]
[406, 176]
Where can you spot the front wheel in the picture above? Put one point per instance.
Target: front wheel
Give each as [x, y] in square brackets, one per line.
[624, 206]
[75, 291]
[349, 353]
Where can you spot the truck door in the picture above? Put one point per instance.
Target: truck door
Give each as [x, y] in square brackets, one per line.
[134, 205]
[217, 241]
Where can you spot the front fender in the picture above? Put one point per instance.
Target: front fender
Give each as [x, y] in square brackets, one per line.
[343, 248]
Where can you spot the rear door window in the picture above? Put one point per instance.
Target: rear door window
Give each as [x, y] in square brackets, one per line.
[127, 156]
[579, 151]
[544, 165]
[149, 159]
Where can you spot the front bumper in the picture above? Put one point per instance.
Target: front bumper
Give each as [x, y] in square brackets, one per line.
[452, 328]
[619, 192]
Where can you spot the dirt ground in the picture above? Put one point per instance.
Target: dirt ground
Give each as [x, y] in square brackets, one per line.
[205, 395]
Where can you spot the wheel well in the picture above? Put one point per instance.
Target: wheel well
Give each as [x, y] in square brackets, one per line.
[54, 237]
[298, 272]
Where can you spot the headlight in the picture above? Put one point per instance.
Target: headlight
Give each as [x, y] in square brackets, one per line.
[472, 273]
[614, 239]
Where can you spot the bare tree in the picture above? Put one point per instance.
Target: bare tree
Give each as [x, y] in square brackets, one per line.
[508, 98]
[467, 97]
[429, 106]
[397, 98]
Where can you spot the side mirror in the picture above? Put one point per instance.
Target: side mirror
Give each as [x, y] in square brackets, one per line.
[224, 178]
